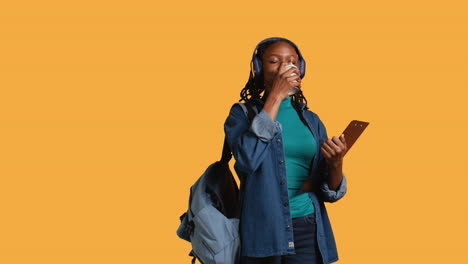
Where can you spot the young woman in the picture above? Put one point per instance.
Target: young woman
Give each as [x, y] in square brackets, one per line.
[287, 165]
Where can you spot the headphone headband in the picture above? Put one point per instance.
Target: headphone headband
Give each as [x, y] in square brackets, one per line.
[256, 63]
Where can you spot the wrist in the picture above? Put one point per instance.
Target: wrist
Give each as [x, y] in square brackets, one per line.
[336, 165]
[274, 98]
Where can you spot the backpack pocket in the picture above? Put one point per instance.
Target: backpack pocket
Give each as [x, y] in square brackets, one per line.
[215, 238]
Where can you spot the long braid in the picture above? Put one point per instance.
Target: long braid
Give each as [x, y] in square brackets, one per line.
[252, 90]
[298, 98]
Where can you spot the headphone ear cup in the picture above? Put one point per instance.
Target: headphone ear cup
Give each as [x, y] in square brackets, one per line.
[257, 66]
[302, 67]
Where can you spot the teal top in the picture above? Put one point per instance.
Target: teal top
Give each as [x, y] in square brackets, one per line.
[299, 149]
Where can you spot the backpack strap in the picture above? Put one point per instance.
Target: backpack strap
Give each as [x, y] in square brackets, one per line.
[191, 254]
[226, 155]
[249, 109]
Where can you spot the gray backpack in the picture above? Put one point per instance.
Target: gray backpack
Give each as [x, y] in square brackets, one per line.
[211, 222]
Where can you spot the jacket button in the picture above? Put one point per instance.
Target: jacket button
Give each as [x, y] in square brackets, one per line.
[279, 140]
[286, 203]
[282, 182]
[288, 227]
[281, 161]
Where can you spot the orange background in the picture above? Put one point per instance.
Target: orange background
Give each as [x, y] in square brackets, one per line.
[110, 110]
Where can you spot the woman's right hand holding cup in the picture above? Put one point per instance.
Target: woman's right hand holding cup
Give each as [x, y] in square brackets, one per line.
[287, 78]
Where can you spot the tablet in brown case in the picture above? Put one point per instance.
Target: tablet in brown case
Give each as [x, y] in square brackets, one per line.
[351, 134]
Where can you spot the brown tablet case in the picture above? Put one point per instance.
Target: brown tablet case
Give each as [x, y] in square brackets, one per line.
[353, 131]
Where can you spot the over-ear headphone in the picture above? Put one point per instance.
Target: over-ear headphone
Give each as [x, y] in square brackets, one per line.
[256, 64]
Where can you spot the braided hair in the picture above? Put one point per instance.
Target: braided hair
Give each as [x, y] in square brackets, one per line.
[254, 87]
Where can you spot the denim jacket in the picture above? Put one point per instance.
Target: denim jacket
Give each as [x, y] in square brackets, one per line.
[265, 223]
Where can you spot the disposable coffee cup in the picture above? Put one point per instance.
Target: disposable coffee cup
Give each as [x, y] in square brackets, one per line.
[294, 89]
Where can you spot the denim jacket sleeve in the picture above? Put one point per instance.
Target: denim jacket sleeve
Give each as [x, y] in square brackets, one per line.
[324, 192]
[330, 195]
[249, 141]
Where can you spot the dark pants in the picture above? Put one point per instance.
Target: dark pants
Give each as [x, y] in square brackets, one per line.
[305, 243]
